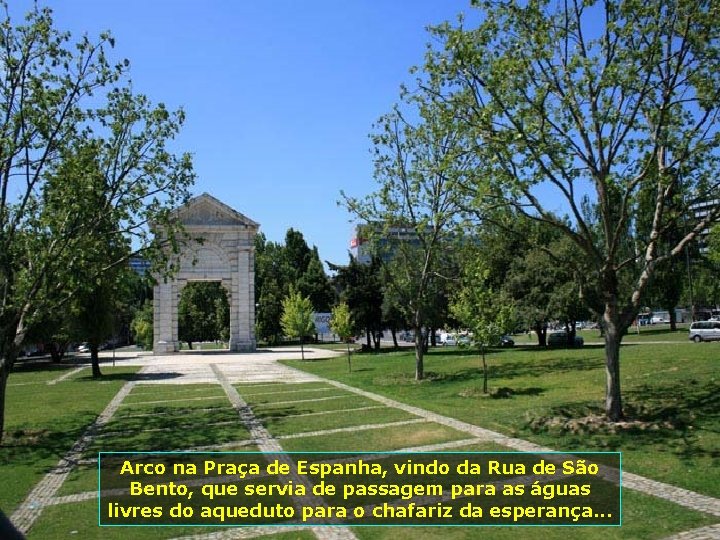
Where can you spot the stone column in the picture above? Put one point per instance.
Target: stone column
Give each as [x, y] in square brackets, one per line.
[242, 305]
[234, 313]
[163, 339]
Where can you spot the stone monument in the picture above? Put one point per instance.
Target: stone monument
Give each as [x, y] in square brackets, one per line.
[220, 247]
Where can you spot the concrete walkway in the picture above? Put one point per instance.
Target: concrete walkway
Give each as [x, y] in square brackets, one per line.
[263, 367]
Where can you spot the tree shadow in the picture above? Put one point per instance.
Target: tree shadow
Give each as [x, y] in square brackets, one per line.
[142, 377]
[506, 392]
[548, 366]
[670, 419]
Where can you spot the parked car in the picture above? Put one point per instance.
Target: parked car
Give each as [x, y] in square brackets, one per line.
[560, 339]
[449, 339]
[507, 341]
[83, 347]
[464, 340]
[704, 331]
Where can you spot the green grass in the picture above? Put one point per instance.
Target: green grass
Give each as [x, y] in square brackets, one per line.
[279, 423]
[43, 423]
[643, 518]
[672, 389]
[372, 440]
[654, 333]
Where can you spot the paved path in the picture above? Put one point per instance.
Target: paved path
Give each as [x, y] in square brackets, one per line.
[263, 367]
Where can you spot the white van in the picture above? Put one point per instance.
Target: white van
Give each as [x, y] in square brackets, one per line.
[704, 331]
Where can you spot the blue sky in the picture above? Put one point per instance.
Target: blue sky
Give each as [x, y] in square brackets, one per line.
[280, 96]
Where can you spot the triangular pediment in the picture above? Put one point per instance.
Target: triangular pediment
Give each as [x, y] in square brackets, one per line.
[206, 210]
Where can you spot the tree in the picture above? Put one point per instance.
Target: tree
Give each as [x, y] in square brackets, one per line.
[315, 284]
[268, 289]
[487, 313]
[421, 166]
[342, 325]
[203, 312]
[142, 326]
[64, 108]
[361, 288]
[591, 99]
[297, 318]
[278, 268]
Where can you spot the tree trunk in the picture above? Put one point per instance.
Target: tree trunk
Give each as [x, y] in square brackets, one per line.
[394, 336]
[367, 336]
[190, 345]
[673, 318]
[571, 333]
[302, 349]
[4, 373]
[10, 341]
[55, 353]
[95, 360]
[485, 371]
[349, 361]
[541, 332]
[613, 338]
[419, 352]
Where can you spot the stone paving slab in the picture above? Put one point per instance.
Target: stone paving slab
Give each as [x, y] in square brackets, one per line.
[711, 532]
[194, 367]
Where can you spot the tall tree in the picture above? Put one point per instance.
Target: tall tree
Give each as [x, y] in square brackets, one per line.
[608, 98]
[361, 288]
[421, 167]
[63, 105]
[315, 284]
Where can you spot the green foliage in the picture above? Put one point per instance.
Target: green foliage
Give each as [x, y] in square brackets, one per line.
[341, 321]
[362, 291]
[142, 326]
[203, 312]
[297, 317]
[422, 168]
[85, 170]
[341, 324]
[278, 268]
[315, 284]
[486, 313]
[553, 111]
[714, 245]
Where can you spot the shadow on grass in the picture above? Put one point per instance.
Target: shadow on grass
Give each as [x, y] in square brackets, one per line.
[546, 367]
[132, 377]
[170, 429]
[670, 419]
[29, 366]
[499, 370]
[28, 445]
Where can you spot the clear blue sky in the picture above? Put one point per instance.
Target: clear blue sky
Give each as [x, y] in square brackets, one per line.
[280, 95]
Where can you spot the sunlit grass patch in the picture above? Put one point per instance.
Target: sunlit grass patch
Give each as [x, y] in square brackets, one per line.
[284, 425]
[376, 440]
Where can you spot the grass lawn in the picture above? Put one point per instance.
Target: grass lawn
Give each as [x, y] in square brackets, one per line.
[43, 421]
[80, 521]
[643, 518]
[671, 390]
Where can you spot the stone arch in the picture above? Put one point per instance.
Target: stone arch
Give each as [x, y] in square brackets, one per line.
[221, 247]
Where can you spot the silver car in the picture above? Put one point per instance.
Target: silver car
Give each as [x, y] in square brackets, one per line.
[704, 331]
